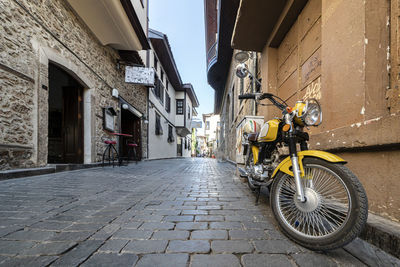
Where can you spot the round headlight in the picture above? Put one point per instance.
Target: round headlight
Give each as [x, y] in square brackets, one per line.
[313, 113]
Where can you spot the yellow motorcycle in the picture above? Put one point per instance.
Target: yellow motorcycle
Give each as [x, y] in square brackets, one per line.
[317, 201]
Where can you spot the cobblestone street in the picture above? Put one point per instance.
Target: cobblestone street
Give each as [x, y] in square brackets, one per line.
[157, 213]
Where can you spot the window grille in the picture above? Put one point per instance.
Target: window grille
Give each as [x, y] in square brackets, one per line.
[155, 62]
[167, 102]
[179, 106]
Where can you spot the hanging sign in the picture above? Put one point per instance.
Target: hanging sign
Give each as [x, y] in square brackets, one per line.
[196, 124]
[139, 75]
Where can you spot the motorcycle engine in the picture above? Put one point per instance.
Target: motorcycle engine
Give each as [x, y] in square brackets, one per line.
[262, 172]
[258, 173]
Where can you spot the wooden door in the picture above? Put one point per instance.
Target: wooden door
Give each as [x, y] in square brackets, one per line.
[137, 138]
[72, 125]
[130, 124]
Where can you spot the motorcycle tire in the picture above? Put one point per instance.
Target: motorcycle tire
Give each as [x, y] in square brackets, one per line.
[249, 163]
[335, 211]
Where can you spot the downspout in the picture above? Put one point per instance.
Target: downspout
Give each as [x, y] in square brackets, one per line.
[148, 100]
[253, 89]
[148, 122]
[184, 120]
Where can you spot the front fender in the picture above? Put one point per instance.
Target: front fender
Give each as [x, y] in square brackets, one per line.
[285, 165]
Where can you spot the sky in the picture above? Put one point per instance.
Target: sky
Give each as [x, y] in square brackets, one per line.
[183, 22]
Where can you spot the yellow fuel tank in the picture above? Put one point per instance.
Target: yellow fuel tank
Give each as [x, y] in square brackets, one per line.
[269, 131]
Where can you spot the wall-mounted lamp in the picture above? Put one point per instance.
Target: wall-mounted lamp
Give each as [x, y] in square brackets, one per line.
[115, 93]
[125, 106]
[145, 119]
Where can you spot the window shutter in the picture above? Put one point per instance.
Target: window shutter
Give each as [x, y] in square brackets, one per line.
[159, 130]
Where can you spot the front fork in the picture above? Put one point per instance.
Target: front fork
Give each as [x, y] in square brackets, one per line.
[296, 167]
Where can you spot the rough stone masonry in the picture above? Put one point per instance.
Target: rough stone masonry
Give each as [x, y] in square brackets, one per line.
[34, 34]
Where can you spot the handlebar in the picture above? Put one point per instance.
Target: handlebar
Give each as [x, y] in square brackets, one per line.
[270, 97]
[247, 96]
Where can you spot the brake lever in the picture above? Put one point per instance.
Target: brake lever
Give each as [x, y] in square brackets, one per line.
[257, 97]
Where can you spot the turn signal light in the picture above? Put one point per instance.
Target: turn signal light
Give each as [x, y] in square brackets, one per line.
[289, 109]
[286, 127]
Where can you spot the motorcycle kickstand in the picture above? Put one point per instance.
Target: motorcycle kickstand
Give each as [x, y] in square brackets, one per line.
[258, 192]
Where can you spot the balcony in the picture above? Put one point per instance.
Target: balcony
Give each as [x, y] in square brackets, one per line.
[219, 53]
[114, 22]
[212, 55]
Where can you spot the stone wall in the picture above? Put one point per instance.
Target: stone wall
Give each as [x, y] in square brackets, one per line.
[337, 51]
[33, 33]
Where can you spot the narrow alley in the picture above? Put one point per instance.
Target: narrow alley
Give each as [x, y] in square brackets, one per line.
[176, 212]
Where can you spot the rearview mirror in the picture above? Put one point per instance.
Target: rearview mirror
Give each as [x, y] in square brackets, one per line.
[241, 70]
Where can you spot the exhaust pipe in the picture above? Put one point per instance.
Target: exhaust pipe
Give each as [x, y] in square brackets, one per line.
[242, 172]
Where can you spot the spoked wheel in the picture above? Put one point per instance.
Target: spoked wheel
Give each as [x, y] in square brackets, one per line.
[335, 210]
[249, 167]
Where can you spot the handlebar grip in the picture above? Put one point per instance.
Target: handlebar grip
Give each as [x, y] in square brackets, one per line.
[247, 96]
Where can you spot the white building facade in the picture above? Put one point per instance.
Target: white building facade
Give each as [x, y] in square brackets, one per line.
[171, 103]
[211, 132]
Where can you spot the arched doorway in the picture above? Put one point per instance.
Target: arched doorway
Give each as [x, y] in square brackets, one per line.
[65, 127]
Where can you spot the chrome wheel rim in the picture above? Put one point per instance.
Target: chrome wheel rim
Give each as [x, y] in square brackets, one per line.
[328, 204]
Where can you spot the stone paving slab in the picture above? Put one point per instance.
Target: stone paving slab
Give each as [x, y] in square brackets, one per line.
[266, 260]
[146, 246]
[110, 259]
[222, 260]
[171, 235]
[189, 246]
[164, 260]
[187, 212]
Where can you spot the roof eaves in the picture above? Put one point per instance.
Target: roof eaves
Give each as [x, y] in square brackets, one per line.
[153, 34]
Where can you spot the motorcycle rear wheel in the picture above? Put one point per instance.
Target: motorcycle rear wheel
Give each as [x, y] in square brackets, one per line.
[335, 211]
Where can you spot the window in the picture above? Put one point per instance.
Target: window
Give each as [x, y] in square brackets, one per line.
[159, 130]
[188, 108]
[185, 143]
[155, 62]
[170, 135]
[162, 75]
[166, 84]
[207, 125]
[157, 87]
[167, 102]
[159, 90]
[179, 106]
[161, 93]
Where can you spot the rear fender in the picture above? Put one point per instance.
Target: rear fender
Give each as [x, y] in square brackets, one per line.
[286, 164]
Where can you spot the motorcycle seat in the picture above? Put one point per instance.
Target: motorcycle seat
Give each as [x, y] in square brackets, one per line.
[253, 136]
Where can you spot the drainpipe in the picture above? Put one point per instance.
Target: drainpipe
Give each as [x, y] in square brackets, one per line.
[254, 80]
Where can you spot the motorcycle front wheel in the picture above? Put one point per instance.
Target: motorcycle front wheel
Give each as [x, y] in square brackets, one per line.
[335, 210]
